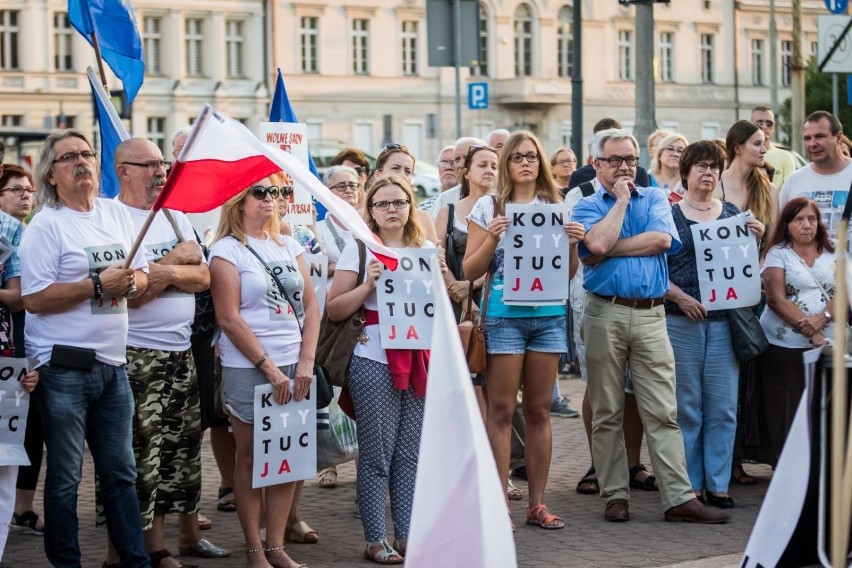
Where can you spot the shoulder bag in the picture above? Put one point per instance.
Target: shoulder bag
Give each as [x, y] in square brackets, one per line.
[473, 334]
[748, 339]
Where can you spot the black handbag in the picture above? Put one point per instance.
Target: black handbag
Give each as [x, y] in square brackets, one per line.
[748, 339]
[325, 392]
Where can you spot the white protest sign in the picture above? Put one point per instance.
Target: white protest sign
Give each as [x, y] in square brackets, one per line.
[536, 255]
[406, 304]
[14, 408]
[726, 256]
[292, 137]
[318, 268]
[285, 438]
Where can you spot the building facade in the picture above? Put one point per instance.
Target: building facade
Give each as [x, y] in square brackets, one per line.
[357, 71]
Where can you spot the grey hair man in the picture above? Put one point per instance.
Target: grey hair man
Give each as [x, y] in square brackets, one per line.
[447, 173]
[498, 138]
[460, 151]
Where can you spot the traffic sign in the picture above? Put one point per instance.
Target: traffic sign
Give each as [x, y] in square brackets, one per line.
[477, 96]
[837, 6]
[829, 31]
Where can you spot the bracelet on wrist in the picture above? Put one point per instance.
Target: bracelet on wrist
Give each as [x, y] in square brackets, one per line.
[99, 289]
[261, 361]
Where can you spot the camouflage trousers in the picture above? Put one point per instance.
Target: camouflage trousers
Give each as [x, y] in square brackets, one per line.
[166, 432]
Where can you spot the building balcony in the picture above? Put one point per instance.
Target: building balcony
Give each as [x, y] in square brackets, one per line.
[526, 91]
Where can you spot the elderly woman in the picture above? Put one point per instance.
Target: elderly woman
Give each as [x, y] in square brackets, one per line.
[564, 162]
[355, 159]
[665, 166]
[706, 369]
[798, 276]
[387, 385]
[267, 339]
[16, 192]
[333, 236]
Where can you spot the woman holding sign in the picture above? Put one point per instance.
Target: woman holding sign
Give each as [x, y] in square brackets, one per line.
[387, 385]
[706, 369]
[523, 342]
[266, 339]
[798, 276]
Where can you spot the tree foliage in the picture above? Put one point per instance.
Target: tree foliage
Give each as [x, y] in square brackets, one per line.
[817, 97]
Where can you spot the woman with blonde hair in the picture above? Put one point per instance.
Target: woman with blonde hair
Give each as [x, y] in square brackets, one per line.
[564, 163]
[665, 166]
[267, 339]
[654, 141]
[523, 342]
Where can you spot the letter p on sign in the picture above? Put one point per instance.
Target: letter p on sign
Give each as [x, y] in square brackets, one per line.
[477, 96]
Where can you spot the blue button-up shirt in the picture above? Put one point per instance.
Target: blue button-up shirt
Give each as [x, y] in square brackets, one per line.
[635, 277]
[12, 229]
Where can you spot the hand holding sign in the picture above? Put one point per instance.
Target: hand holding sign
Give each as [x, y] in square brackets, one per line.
[374, 272]
[497, 226]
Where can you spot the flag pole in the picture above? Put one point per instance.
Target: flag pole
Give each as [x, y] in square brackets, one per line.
[138, 242]
[173, 223]
[100, 62]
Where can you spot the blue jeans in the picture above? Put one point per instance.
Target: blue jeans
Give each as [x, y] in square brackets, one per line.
[707, 381]
[94, 406]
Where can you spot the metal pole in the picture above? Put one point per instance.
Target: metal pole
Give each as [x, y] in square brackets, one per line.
[773, 58]
[646, 121]
[797, 80]
[456, 58]
[577, 84]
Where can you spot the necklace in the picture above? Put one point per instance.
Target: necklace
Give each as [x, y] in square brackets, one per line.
[686, 200]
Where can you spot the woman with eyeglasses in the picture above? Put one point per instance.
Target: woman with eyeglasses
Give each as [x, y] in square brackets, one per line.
[387, 386]
[523, 342]
[16, 192]
[707, 372]
[665, 166]
[266, 339]
[345, 183]
[654, 141]
[745, 183]
[355, 159]
[397, 160]
[564, 162]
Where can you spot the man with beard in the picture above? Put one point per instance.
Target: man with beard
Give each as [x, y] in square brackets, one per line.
[167, 428]
[76, 290]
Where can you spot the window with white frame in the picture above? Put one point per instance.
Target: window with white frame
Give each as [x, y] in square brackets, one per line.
[667, 57]
[709, 130]
[360, 46]
[9, 30]
[708, 58]
[234, 44]
[12, 120]
[152, 38]
[565, 42]
[313, 130]
[308, 42]
[814, 47]
[157, 132]
[409, 47]
[523, 41]
[194, 42]
[566, 131]
[62, 60]
[757, 61]
[363, 135]
[483, 40]
[625, 55]
[786, 61]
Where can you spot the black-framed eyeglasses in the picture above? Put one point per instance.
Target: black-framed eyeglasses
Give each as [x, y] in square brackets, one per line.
[385, 205]
[765, 123]
[616, 161]
[19, 190]
[72, 157]
[446, 163]
[531, 157]
[260, 192]
[345, 186]
[152, 165]
[702, 167]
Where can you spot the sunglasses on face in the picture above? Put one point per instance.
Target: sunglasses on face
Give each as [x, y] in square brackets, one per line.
[260, 192]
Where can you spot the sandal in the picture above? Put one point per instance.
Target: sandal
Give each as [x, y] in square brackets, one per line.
[27, 522]
[589, 484]
[648, 484]
[327, 478]
[739, 475]
[386, 555]
[540, 516]
[513, 493]
[159, 555]
[226, 505]
[301, 532]
[400, 545]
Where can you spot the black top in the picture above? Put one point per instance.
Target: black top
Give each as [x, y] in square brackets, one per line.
[587, 173]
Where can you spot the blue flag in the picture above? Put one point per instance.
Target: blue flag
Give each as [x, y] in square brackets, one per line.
[118, 37]
[112, 133]
[282, 111]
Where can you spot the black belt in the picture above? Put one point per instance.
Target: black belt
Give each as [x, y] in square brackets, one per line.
[642, 303]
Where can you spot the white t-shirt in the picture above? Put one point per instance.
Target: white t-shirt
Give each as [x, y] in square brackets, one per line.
[329, 243]
[450, 196]
[802, 290]
[164, 322]
[61, 245]
[576, 292]
[829, 192]
[349, 261]
[261, 306]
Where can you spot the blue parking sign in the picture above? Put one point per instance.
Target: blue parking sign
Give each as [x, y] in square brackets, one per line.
[477, 96]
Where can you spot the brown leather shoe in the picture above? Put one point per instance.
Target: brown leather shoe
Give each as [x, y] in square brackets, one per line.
[694, 512]
[616, 511]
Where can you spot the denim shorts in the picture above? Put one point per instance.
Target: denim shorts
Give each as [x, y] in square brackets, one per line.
[238, 389]
[514, 336]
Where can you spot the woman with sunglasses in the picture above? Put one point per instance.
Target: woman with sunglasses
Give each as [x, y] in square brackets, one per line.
[397, 160]
[387, 385]
[305, 235]
[665, 166]
[523, 342]
[266, 339]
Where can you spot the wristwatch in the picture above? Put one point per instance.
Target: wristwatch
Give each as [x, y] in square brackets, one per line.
[827, 315]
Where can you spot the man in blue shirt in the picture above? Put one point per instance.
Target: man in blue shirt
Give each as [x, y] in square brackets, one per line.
[629, 232]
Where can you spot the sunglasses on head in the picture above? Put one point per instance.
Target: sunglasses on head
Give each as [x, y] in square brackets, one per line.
[391, 148]
[260, 192]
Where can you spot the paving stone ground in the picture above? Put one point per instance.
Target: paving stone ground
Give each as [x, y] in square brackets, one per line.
[586, 541]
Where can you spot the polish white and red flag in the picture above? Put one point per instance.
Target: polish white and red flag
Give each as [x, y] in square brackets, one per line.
[222, 157]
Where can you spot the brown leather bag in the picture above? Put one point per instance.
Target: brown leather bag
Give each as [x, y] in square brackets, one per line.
[473, 334]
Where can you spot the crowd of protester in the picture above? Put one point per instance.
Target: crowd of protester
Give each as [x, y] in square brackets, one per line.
[118, 337]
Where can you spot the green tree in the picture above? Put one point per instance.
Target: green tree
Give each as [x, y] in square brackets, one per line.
[817, 97]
